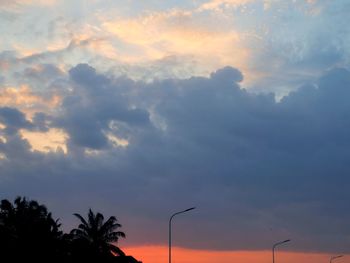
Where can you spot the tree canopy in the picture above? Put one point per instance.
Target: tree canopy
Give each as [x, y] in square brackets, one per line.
[97, 236]
[29, 233]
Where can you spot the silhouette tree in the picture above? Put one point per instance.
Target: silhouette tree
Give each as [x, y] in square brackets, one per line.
[28, 231]
[94, 237]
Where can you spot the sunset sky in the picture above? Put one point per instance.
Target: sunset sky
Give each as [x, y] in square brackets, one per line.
[140, 109]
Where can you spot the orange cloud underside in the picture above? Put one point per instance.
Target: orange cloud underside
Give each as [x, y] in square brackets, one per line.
[51, 140]
[159, 254]
[26, 100]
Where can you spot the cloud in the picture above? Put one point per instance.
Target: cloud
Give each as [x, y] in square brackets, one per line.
[216, 4]
[52, 140]
[27, 100]
[258, 170]
[26, 2]
[159, 35]
[13, 120]
[299, 39]
[94, 106]
[17, 6]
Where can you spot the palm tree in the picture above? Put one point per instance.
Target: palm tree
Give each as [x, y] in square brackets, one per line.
[98, 235]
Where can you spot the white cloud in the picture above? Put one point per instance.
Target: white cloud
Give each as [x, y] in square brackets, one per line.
[216, 4]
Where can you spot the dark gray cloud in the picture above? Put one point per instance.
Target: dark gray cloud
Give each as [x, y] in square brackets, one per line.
[258, 170]
[13, 119]
[93, 105]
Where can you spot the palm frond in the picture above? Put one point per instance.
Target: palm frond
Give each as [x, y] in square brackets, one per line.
[81, 219]
[116, 250]
[91, 218]
[99, 220]
[114, 236]
[109, 226]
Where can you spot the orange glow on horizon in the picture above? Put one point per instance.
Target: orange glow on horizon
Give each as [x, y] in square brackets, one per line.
[159, 254]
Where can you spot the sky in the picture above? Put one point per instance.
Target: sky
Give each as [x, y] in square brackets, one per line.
[140, 109]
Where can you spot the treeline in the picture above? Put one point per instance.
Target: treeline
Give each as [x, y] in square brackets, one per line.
[29, 233]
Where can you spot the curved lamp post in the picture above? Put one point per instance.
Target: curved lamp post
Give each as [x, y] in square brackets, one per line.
[274, 246]
[171, 218]
[332, 258]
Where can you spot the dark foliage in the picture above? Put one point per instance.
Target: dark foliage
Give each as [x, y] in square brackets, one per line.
[94, 237]
[28, 233]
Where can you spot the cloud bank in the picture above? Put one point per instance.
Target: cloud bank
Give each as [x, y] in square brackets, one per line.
[258, 169]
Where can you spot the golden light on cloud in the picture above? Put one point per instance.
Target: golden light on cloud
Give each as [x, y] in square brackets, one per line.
[26, 100]
[51, 141]
[3, 139]
[91, 152]
[114, 140]
[14, 96]
[178, 33]
[117, 141]
[2, 156]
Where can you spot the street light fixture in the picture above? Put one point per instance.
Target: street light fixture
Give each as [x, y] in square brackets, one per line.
[274, 246]
[171, 218]
[332, 258]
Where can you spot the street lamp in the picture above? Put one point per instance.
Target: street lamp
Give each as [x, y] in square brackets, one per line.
[274, 246]
[339, 256]
[171, 218]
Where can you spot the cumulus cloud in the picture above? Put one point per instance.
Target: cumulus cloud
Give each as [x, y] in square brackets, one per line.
[258, 170]
[13, 120]
[91, 110]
